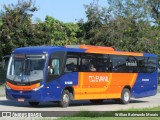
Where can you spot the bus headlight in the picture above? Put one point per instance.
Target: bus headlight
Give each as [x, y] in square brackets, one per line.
[7, 87]
[36, 89]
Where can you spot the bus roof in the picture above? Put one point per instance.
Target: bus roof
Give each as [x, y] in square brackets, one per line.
[77, 48]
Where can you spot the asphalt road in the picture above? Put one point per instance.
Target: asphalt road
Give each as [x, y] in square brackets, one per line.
[108, 105]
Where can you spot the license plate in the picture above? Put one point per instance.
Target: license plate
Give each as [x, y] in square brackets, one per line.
[20, 99]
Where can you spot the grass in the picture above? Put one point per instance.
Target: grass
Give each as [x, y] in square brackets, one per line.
[145, 109]
[86, 115]
[110, 118]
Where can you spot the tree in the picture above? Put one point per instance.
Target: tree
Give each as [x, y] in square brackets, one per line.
[124, 25]
[97, 17]
[140, 34]
[155, 10]
[16, 30]
[55, 32]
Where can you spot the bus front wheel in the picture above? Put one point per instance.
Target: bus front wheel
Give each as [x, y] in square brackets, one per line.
[65, 99]
[125, 96]
[33, 103]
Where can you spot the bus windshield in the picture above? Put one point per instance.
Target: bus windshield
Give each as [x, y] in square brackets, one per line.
[26, 68]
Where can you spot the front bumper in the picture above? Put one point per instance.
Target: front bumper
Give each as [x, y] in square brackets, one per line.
[36, 96]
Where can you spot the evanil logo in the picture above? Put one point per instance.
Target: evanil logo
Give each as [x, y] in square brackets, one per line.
[98, 79]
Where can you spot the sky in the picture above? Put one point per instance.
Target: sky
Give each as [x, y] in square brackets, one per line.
[63, 10]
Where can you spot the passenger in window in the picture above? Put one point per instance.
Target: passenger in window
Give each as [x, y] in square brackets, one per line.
[70, 67]
[75, 68]
[92, 68]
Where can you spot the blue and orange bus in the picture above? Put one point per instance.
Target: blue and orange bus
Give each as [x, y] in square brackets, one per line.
[80, 72]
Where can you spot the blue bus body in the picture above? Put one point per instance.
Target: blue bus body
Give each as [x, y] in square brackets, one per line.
[145, 83]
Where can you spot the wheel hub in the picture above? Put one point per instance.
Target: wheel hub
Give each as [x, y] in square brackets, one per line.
[126, 96]
[65, 98]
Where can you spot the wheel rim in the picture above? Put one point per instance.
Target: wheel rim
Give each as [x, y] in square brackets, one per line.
[66, 98]
[126, 96]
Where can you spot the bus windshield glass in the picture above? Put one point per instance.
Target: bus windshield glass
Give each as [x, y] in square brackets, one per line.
[26, 68]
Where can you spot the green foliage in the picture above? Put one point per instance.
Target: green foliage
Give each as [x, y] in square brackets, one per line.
[103, 115]
[124, 25]
[154, 10]
[16, 30]
[110, 118]
[55, 32]
[130, 25]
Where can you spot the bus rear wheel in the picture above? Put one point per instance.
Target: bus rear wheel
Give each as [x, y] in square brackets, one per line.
[34, 103]
[96, 101]
[125, 96]
[65, 99]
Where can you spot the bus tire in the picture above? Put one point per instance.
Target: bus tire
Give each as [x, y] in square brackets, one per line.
[96, 101]
[65, 99]
[125, 96]
[34, 103]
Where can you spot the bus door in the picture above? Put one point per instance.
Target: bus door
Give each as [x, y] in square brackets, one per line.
[54, 72]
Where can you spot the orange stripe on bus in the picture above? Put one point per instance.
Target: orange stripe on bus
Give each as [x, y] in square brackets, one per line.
[133, 79]
[96, 84]
[96, 47]
[113, 52]
[81, 79]
[23, 88]
[97, 96]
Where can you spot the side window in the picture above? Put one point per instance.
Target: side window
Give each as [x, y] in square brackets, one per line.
[72, 62]
[119, 63]
[151, 65]
[88, 63]
[131, 64]
[96, 62]
[104, 64]
[146, 64]
[141, 65]
[108, 63]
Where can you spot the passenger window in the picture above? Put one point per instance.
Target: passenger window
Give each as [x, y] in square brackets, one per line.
[103, 63]
[71, 65]
[131, 64]
[150, 65]
[89, 63]
[119, 63]
[146, 64]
